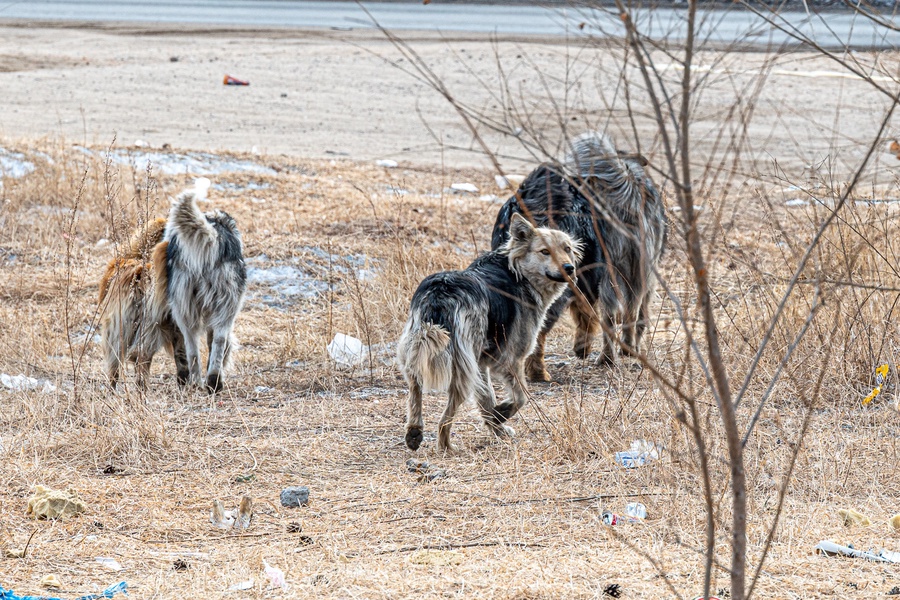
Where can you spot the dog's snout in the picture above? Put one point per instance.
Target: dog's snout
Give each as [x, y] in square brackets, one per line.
[569, 268]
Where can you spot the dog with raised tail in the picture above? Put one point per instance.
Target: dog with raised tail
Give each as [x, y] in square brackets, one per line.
[466, 326]
[206, 281]
[604, 197]
[135, 320]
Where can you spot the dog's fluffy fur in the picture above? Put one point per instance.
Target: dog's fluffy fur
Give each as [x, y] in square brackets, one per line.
[604, 198]
[206, 282]
[135, 319]
[466, 325]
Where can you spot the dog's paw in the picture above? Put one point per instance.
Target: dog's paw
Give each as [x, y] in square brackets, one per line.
[582, 350]
[607, 360]
[413, 438]
[183, 378]
[214, 383]
[537, 371]
[505, 411]
[505, 431]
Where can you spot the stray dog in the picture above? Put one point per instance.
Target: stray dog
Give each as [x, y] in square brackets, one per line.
[206, 281]
[604, 198]
[135, 319]
[464, 325]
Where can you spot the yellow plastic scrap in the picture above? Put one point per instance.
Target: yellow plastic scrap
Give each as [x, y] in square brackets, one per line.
[895, 522]
[851, 517]
[881, 374]
[50, 581]
[54, 504]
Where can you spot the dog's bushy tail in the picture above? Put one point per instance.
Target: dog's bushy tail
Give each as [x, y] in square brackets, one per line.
[594, 159]
[424, 353]
[196, 235]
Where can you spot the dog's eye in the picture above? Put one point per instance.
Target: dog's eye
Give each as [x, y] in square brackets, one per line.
[545, 252]
[568, 250]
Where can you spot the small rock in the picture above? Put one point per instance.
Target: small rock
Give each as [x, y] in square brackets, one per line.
[613, 590]
[305, 540]
[895, 591]
[284, 95]
[432, 475]
[173, 59]
[295, 496]
[386, 163]
[181, 565]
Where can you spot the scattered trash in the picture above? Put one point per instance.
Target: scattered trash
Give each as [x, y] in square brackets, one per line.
[294, 496]
[23, 383]
[387, 163]
[641, 453]
[275, 575]
[426, 473]
[110, 563]
[243, 585]
[54, 504]
[417, 466]
[636, 510]
[610, 518]
[245, 513]
[51, 581]
[181, 564]
[464, 187]
[229, 80]
[347, 350]
[501, 181]
[613, 590]
[109, 592]
[851, 517]
[829, 548]
[14, 553]
[436, 558]
[221, 518]
[294, 527]
[894, 522]
[881, 374]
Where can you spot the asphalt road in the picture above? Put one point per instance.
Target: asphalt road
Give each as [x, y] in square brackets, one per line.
[832, 29]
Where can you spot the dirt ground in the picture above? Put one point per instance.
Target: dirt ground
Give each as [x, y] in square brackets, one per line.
[338, 244]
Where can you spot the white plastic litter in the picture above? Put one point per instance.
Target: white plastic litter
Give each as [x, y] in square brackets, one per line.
[796, 202]
[386, 163]
[275, 575]
[636, 510]
[829, 548]
[347, 350]
[641, 453]
[23, 383]
[464, 187]
[241, 586]
[110, 563]
[502, 182]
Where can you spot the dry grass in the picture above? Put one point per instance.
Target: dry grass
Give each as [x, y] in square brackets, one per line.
[523, 516]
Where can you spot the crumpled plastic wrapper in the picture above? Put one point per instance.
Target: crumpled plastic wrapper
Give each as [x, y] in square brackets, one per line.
[54, 504]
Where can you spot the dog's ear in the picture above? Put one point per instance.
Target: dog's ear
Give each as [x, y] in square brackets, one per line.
[520, 229]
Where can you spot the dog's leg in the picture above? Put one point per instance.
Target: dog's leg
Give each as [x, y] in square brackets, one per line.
[609, 345]
[142, 370]
[487, 401]
[518, 395]
[537, 370]
[182, 372]
[414, 420]
[587, 324]
[192, 352]
[217, 349]
[458, 393]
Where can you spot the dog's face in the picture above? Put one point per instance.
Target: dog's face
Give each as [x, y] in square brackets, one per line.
[539, 254]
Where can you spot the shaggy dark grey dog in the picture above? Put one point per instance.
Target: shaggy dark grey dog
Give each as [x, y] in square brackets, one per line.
[466, 325]
[605, 199]
[206, 281]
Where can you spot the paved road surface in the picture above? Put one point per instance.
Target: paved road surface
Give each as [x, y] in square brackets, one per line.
[831, 29]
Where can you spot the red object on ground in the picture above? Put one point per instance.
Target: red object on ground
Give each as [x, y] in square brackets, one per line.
[229, 80]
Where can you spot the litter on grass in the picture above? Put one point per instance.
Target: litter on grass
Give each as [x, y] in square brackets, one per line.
[48, 503]
[275, 575]
[110, 563]
[242, 586]
[641, 453]
[347, 350]
[109, 592]
[829, 548]
[881, 374]
[851, 517]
